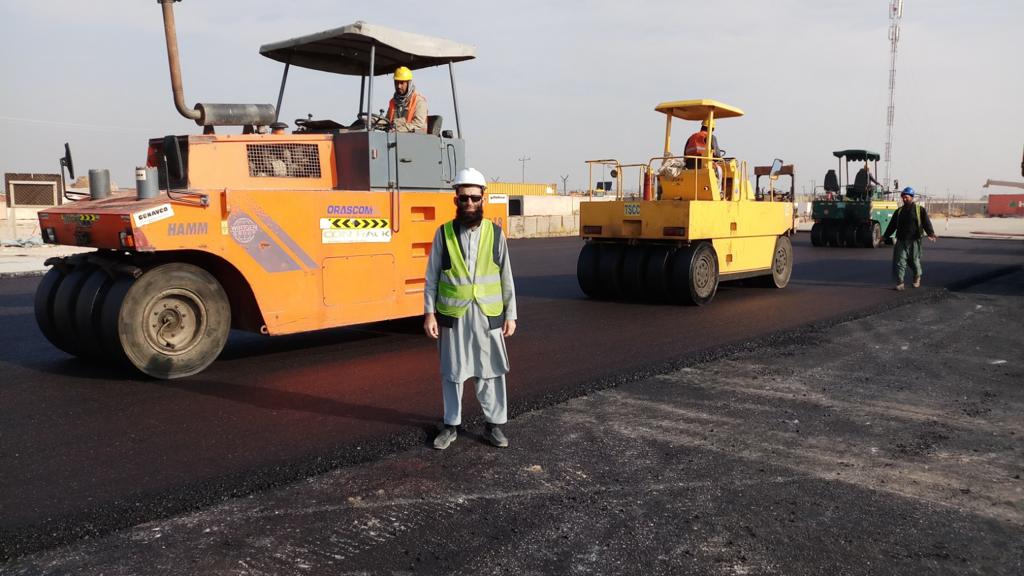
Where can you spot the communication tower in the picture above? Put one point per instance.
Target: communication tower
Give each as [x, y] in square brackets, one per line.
[895, 15]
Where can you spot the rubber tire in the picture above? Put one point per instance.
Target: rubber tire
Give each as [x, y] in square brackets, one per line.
[610, 269]
[110, 310]
[45, 293]
[586, 270]
[818, 234]
[634, 266]
[64, 302]
[863, 231]
[657, 274]
[87, 313]
[695, 274]
[782, 264]
[199, 294]
[875, 235]
[832, 237]
[849, 233]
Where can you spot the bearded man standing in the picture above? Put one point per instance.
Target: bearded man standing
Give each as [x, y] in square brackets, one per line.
[470, 308]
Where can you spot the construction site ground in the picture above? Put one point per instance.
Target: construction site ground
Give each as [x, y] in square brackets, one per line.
[889, 444]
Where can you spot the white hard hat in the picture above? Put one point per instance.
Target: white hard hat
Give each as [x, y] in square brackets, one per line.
[470, 177]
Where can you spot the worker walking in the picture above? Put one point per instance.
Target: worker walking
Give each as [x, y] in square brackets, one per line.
[470, 307]
[407, 110]
[910, 223]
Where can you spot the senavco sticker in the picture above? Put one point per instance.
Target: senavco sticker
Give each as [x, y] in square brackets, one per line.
[155, 214]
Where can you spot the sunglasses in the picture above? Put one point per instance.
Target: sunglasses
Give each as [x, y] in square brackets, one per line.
[466, 198]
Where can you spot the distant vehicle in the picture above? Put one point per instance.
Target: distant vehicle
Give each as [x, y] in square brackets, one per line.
[766, 173]
[265, 231]
[851, 214]
[701, 223]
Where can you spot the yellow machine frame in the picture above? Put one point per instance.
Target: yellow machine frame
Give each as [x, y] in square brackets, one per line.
[694, 204]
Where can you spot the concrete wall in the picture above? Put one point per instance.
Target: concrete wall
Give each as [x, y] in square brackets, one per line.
[549, 216]
[21, 212]
[556, 205]
[543, 226]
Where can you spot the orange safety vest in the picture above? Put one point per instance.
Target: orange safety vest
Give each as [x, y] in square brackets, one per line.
[410, 112]
[697, 145]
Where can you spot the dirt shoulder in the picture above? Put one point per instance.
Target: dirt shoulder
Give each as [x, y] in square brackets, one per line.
[885, 445]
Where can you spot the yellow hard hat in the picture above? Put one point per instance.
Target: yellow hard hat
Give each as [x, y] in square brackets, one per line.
[403, 74]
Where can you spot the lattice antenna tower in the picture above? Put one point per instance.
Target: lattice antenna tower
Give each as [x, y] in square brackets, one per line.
[895, 15]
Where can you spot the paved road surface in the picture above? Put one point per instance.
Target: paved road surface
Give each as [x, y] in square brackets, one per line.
[85, 449]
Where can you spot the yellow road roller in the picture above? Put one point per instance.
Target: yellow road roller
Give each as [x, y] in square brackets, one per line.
[695, 221]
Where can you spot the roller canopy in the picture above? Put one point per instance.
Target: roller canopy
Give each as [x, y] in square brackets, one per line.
[698, 109]
[787, 170]
[346, 50]
[857, 155]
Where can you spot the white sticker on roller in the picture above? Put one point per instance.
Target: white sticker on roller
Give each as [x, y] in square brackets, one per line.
[346, 236]
[155, 214]
[497, 198]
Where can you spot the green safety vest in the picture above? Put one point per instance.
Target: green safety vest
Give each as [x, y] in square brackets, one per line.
[917, 214]
[456, 290]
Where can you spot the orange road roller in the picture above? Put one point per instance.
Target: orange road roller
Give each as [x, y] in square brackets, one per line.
[268, 228]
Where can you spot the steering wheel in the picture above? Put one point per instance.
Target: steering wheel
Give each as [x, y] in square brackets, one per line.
[378, 122]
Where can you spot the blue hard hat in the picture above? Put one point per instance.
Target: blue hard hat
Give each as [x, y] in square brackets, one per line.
[908, 191]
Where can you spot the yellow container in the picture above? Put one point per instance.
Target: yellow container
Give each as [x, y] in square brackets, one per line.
[527, 189]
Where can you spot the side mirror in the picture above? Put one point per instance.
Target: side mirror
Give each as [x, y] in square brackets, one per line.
[172, 153]
[66, 162]
[614, 173]
[776, 168]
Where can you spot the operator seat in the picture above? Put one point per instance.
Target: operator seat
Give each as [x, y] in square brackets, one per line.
[831, 182]
[434, 125]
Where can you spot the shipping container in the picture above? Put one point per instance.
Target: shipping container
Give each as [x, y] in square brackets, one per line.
[527, 189]
[1006, 205]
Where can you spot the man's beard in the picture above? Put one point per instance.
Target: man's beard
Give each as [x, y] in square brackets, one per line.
[469, 217]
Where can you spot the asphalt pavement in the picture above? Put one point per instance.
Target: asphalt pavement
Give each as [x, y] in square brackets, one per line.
[887, 444]
[88, 450]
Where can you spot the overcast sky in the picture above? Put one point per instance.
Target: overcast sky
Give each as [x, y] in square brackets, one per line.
[559, 83]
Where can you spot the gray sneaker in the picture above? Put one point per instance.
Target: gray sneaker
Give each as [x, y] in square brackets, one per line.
[445, 437]
[495, 436]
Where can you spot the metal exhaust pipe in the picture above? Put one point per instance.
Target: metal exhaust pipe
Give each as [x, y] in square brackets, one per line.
[171, 34]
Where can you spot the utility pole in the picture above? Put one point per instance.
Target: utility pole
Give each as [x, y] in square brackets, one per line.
[895, 15]
[524, 160]
[949, 207]
[565, 188]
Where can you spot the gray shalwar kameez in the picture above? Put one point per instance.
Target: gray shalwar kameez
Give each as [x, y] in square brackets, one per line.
[470, 349]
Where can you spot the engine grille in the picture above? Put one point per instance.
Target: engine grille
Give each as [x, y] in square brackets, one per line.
[284, 160]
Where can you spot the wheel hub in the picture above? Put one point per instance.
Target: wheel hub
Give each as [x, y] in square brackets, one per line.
[175, 321]
[702, 275]
[780, 261]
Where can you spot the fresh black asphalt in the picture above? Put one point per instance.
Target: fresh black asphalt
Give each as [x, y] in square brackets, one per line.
[86, 449]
